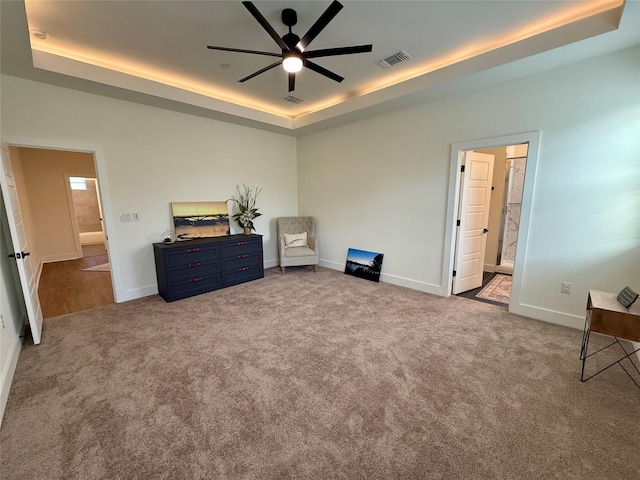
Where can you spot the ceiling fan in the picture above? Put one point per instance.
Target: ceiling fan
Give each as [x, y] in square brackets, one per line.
[294, 55]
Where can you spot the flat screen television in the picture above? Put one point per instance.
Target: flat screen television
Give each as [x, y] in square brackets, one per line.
[200, 219]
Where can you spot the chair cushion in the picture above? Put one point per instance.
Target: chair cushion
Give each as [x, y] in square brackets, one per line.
[299, 252]
[295, 239]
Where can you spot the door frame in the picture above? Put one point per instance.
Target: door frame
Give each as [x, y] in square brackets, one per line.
[104, 192]
[457, 149]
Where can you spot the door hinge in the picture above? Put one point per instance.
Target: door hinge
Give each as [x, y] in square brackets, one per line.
[454, 273]
[462, 168]
[457, 223]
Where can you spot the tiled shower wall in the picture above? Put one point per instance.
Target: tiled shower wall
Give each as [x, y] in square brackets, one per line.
[85, 203]
[512, 217]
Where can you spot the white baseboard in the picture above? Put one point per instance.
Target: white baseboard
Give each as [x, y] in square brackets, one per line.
[271, 263]
[393, 279]
[135, 293]
[549, 316]
[489, 267]
[6, 376]
[60, 257]
[505, 270]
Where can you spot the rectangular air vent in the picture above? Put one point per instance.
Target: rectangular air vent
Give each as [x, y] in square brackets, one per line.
[293, 99]
[394, 59]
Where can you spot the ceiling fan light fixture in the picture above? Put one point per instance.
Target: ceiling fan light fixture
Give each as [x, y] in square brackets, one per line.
[292, 62]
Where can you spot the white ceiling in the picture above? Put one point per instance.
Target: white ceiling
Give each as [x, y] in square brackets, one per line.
[158, 48]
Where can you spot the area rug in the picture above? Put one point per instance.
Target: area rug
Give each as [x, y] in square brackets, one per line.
[103, 267]
[498, 289]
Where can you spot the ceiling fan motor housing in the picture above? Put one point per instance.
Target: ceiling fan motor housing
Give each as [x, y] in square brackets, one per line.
[289, 17]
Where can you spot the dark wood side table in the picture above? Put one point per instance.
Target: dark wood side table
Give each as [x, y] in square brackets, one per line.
[606, 315]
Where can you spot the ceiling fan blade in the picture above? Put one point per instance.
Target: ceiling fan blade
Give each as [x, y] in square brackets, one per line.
[317, 27]
[329, 52]
[268, 67]
[322, 71]
[242, 50]
[263, 21]
[292, 82]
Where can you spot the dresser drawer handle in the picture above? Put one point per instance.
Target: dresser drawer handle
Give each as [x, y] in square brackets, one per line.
[242, 243]
[197, 279]
[194, 265]
[243, 269]
[244, 255]
[191, 250]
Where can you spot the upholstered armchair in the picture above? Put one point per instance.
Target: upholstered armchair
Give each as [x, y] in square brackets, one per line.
[297, 244]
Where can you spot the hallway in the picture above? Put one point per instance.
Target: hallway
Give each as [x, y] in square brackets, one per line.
[66, 288]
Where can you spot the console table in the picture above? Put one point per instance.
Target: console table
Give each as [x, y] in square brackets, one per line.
[606, 315]
[192, 267]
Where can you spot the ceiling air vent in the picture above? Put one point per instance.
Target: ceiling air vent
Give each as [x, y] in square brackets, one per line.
[389, 62]
[292, 99]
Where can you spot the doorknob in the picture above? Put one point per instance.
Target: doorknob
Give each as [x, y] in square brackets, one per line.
[485, 230]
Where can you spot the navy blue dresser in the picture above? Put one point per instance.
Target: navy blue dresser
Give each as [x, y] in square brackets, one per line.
[192, 267]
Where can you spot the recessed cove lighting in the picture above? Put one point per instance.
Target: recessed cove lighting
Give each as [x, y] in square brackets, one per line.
[39, 34]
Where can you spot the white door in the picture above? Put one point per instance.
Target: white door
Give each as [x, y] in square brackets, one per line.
[474, 219]
[20, 248]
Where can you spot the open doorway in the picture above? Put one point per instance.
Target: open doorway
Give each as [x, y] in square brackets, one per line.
[87, 212]
[500, 236]
[60, 202]
[501, 206]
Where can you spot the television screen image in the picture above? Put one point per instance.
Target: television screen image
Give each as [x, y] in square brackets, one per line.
[200, 219]
[363, 264]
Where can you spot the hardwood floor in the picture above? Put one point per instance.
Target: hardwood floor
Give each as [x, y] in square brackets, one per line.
[65, 288]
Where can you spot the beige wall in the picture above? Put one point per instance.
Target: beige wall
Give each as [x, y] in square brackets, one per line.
[391, 196]
[149, 157]
[45, 173]
[495, 207]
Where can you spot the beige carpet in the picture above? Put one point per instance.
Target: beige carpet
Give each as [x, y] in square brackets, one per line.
[498, 289]
[314, 376]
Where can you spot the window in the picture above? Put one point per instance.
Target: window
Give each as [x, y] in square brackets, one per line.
[78, 183]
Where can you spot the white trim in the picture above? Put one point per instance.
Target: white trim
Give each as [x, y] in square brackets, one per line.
[72, 214]
[105, 197]
[457, 149]
[60, 257]
[392, 279]
[9, 370]
[137, 293]
[549, 316]
[271, 263]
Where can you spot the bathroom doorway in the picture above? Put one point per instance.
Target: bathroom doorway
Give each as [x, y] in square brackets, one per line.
[502, 225]
[87, 211]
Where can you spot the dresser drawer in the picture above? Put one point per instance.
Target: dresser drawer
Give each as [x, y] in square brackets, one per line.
[194, 269]
[237, 262]
[243, 274]
[186, 287]
[191, 254]
[241, 247]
